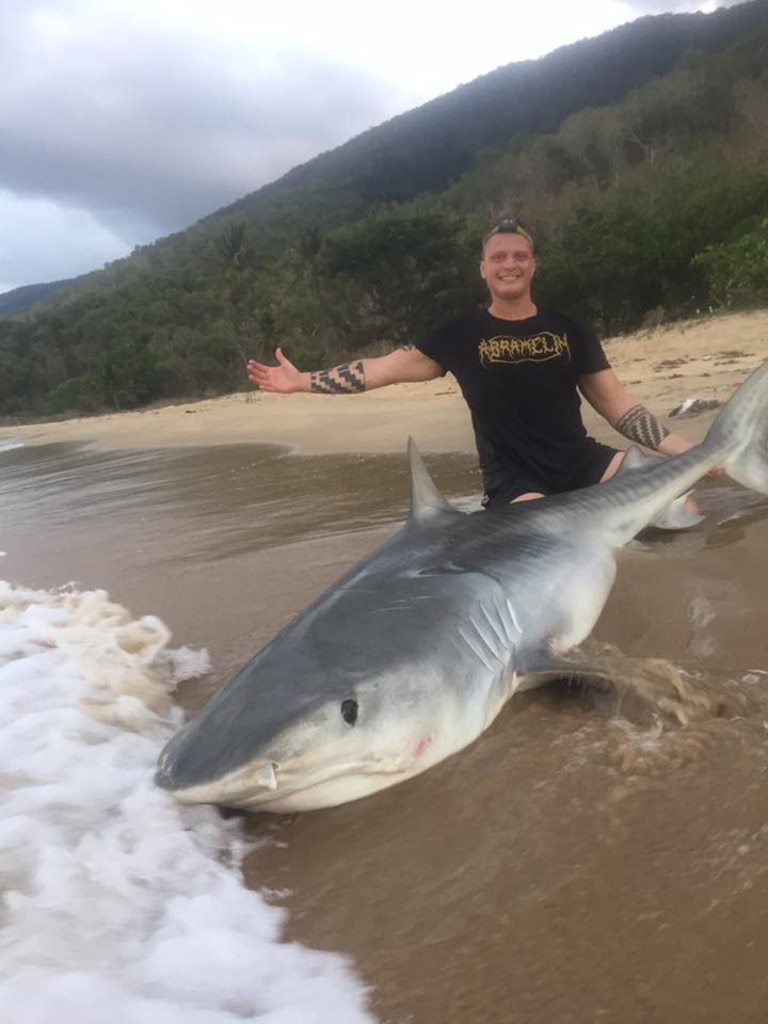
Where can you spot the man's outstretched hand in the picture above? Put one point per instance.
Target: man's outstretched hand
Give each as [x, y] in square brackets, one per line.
[283, 378]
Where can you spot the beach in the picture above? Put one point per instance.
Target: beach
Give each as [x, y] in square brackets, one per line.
[595, 855]
[662, 367]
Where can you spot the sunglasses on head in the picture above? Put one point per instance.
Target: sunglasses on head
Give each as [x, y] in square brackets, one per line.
[508, 226]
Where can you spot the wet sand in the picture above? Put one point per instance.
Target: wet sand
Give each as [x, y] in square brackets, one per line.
[590, 857]
[583, 860]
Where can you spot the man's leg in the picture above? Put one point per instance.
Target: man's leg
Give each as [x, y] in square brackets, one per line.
[613, 466]
[515, 489]
[528, 496]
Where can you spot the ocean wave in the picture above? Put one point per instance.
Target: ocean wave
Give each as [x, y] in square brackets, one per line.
[118, 904]
[7, 444]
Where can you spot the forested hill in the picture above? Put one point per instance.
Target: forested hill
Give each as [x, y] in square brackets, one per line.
[640, 159]
[426, 149]
[29, 294]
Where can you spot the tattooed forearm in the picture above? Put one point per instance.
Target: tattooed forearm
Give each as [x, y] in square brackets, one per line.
[341, 380]
[641, 426]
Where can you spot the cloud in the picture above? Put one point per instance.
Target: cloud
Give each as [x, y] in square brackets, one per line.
[132, 119]
[638, 8]
[42, 241]
[119, 127]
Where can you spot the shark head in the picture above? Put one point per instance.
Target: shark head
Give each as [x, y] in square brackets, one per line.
[266, 745]
[382, 677]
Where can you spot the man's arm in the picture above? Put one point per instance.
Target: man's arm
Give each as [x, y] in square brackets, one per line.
[398, 367]
[608, 397]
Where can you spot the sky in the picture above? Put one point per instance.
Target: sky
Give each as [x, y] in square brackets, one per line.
[122, 122]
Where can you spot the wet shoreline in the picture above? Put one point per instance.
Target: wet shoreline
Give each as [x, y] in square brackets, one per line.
[573, 864]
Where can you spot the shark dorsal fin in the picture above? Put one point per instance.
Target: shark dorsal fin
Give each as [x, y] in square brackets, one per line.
[426, 501]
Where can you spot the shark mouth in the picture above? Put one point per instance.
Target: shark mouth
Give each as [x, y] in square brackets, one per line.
[270, 786]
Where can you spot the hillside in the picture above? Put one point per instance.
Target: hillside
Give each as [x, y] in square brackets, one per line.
[30, 294]
[427, 149]
[643, 151]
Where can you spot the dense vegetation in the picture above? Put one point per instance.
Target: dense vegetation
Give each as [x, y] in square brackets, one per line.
[652, 207]
[29, 294]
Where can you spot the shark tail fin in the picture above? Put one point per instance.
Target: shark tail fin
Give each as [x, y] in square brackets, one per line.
[426, 501]
[741, 431]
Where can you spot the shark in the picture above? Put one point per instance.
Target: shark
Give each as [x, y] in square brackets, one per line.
[412, 654]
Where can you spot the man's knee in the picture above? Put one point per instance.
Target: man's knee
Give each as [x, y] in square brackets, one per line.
[528, 496]
[613, 466]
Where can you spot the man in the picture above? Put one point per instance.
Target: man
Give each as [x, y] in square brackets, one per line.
[520, 370]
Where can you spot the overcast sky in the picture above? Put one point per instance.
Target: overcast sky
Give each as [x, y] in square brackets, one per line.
[124, 120]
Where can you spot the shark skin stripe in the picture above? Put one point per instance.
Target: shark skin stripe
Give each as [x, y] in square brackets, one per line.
[430, 635]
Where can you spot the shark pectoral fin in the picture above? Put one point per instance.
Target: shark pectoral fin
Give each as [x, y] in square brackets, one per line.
[677, 515]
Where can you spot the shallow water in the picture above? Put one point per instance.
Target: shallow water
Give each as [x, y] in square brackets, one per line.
[595, 855]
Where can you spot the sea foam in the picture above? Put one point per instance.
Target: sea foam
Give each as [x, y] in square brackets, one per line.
[118, 904]
[7, 444]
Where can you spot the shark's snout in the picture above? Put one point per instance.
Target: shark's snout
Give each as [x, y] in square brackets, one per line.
[255, 783]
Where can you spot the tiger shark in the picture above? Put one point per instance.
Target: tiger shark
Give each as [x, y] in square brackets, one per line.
[412, 654]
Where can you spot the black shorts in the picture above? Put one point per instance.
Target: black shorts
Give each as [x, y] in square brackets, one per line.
[588, 470]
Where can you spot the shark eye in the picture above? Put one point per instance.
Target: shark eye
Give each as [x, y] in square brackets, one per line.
[349, 711]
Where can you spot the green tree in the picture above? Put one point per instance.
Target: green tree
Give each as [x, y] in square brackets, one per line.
[737, 272]
[409, 266]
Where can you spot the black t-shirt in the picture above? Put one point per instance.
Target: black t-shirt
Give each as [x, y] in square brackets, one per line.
[519, 379]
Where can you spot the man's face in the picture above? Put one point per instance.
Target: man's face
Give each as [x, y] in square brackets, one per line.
[508, 266]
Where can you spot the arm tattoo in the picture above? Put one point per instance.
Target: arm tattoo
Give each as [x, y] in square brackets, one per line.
[641, 426]
[341, 380]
